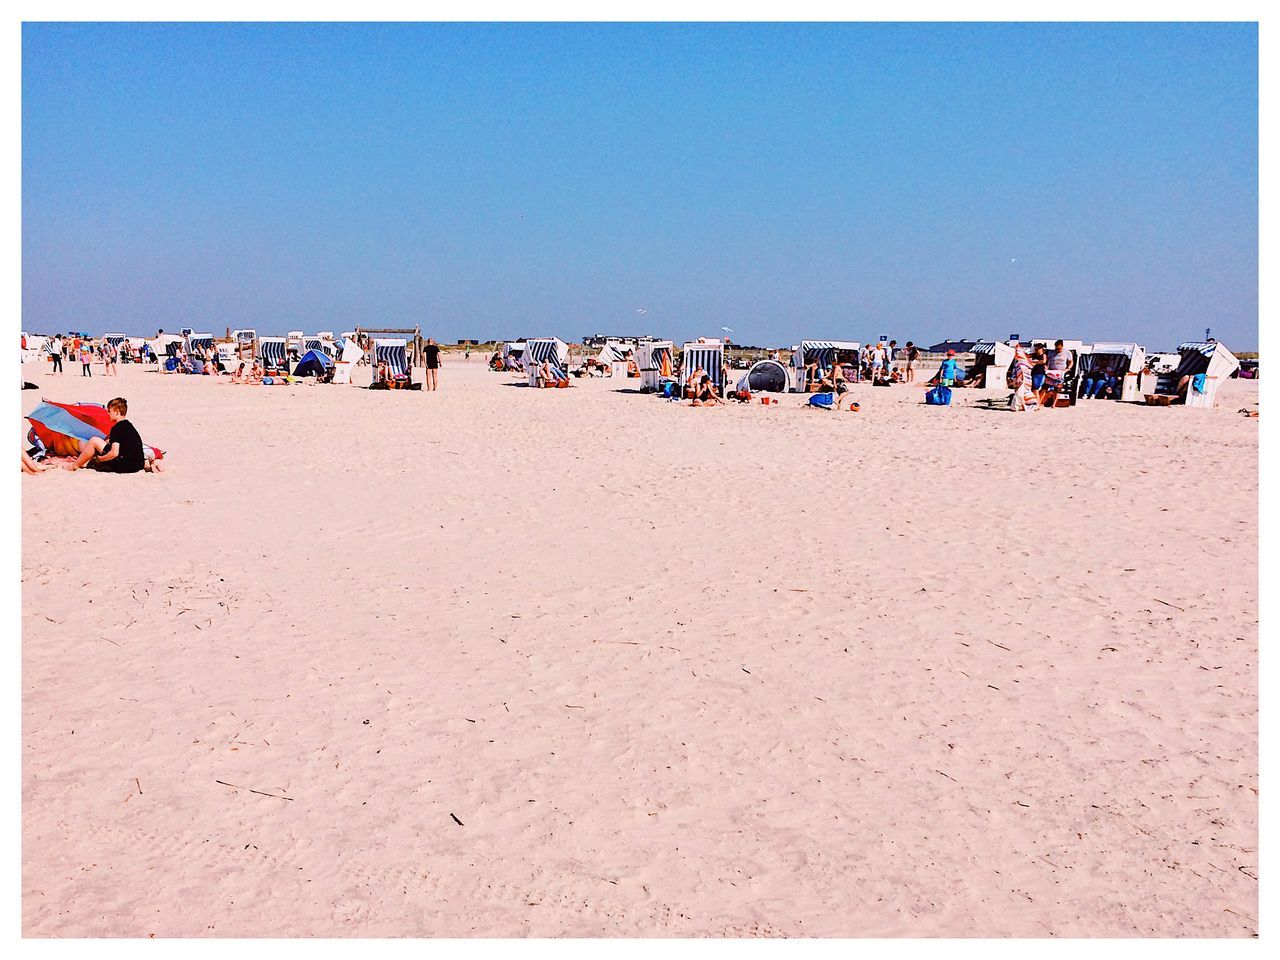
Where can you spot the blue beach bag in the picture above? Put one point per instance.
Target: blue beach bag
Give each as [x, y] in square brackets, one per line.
[939, 396]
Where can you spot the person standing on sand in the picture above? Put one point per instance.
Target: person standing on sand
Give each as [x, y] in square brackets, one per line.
[913, 355]
[431, 357]
[57, 354]
[86, 359]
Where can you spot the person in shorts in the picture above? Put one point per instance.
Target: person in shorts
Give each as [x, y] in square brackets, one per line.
[431, 357]
[121, 451]
[913, 356]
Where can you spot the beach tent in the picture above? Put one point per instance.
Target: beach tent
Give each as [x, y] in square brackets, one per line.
[62, 427]
[312, 364]
[1212, 360]
[655, 363]
[824, 353]
[765, 376]
[271, 351]
[707, 354]
[991, 360]
[551, 349]
[1127, 361]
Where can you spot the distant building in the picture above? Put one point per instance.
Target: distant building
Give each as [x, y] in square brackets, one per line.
[600, 339]
[959, 346]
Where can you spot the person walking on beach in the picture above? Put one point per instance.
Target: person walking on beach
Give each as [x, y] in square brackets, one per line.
[431, 357]
[466, 354]
[108, 359]
[86, 359]
[56, 353]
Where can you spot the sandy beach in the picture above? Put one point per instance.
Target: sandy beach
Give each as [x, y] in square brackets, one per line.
[504, 662]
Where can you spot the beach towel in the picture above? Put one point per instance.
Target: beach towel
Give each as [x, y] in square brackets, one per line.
[1024, 397]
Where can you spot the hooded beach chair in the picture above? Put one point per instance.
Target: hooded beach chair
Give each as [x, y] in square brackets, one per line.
[992, 361]
[1208, 364]
[707, 354]
[1126, 360]
[272, 354]
[553, 351]
[198, 343]
[395, 354]
[656, 364]
[825, 353]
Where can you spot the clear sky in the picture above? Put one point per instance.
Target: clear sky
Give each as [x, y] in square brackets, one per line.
[786, 181]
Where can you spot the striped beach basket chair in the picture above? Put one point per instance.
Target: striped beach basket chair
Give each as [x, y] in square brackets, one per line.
[551, 350]
[271, 353]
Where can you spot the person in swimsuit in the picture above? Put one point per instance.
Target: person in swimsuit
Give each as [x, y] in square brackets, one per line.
[706, 394]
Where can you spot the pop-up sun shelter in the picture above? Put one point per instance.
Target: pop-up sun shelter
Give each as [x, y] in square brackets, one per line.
[1207, 364]
[313, 364]
[1126, 360]
[707, 355]
[654, 360]
[824, 353]
[991, 361]
[63, 427]
[551, 349]
[765, 376]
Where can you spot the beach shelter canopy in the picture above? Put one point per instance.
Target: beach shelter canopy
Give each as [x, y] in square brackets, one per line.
[312, 364]
[765, 376]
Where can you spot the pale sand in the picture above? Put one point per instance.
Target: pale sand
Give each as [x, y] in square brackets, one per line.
[907, 672]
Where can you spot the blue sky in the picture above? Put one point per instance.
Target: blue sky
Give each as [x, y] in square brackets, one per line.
[787, 181]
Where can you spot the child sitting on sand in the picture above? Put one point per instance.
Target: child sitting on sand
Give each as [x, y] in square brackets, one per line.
[120, 451]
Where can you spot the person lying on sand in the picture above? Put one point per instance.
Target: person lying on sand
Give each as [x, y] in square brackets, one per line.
[831, 401]
[120, 451]
[32, 465]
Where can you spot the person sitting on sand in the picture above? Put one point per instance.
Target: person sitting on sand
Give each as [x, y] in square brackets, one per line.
[706, 395]
[255, 373]
[238, 376]
[895, 375]
[693, 383]
[121, 451]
